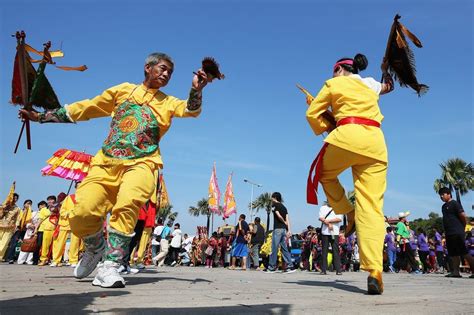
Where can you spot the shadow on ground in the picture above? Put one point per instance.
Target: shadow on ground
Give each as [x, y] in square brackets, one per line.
[58, 303]
[338, 284]
[283, 309]
[84, 303]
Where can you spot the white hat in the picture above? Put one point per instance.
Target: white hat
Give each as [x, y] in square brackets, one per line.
[403, 214]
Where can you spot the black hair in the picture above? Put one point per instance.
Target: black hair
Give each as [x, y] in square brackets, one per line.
[360, 63]
[257, 219]
[177, 224]
[51, 197]
[214, 234]
[277, 196]
[389, 229]
[242, 216]
[444, 190]
[16, 195]
[160, 220]
[42, 203]
[28, 200]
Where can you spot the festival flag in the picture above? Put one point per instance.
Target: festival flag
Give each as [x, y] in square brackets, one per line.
[229, 199]
[9, 200]
[163, 198]
[400, 58]
[214, 192]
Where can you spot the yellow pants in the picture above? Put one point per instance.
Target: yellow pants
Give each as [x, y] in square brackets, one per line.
[47, 241]
[59, 245]
[143, 245]
[369, 177]
[75, 246]
[118, 189]
[5, 237]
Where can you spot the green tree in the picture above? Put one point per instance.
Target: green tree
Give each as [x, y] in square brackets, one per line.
[264, 201]
[166, 213]
[433, 221]
[456, 174]
[201, 208]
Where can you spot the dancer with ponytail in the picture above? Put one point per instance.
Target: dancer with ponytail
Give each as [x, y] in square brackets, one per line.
[357, 142]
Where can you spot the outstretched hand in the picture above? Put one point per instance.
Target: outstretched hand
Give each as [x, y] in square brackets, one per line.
[24, 114]
[200, 80]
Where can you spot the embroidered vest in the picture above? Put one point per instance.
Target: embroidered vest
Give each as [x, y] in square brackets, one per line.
[134, 132]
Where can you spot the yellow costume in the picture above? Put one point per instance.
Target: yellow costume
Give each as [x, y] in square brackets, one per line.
[361, 147]
[8, 220]
[118, 185]
[64, 231]
[47, 227]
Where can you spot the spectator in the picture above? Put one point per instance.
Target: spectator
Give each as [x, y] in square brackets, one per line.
[177, 238]
[423, 250]
[407, 255]
[439, 251]
[8, 218]
[164, 245]
[454, 222]
[330, 223]
[239, 246]
[155, 241]
[390, 248]
[280, 235]
[256, 242]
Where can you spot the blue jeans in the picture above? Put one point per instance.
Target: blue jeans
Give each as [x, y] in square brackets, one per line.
[392, 256]
[279, 241]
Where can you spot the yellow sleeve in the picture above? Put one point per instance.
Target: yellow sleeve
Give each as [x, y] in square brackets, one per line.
[100, 106]
[43, 214]
[179, 107]
[318, 106]
[66, 208]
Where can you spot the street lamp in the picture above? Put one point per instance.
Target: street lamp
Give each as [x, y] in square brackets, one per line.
[251, 196]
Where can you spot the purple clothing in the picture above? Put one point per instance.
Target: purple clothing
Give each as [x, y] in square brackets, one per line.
[349, 241]
[470, 245]
[390, 241]
[439, 245]
[413, 240]
[422, 243]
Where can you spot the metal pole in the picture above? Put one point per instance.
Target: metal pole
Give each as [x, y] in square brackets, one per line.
[251, 205]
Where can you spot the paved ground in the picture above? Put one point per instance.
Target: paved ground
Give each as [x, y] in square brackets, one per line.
[184, 290]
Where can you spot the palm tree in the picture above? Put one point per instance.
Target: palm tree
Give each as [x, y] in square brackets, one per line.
[456, 174]
[351, 196]
[264, 201]
[202, 208]
[165, 213]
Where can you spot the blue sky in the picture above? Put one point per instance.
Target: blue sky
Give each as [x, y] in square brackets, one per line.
[253, 122]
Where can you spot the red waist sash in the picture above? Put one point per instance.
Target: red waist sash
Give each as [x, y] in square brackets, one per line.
[316, 166]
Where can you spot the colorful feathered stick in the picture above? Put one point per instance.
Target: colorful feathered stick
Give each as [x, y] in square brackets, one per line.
[400, 58]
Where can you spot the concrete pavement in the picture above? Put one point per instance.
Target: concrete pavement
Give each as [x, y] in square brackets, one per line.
[187, 290]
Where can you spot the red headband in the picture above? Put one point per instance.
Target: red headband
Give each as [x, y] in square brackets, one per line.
[343, 62]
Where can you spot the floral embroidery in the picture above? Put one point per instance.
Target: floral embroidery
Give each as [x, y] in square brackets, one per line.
[134, 132]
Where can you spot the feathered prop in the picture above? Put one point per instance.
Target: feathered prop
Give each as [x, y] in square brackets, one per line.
[30, 87]
[211, 68]
[400, 58]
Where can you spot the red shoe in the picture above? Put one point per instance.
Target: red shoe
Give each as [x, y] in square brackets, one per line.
[375, 283]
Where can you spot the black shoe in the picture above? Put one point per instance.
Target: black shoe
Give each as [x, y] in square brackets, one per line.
[268, 270]
[289, 270]
[338, 273]
[323, 273]
[11, 262]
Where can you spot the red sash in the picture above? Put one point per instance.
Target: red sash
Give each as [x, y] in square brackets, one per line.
[316, 166]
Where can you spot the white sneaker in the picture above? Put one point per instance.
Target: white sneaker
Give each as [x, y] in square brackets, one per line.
[108, 276]
[88, 263]
[140, 266]
[53, 264]
[122, 270]
[173, 263]
[133, 271]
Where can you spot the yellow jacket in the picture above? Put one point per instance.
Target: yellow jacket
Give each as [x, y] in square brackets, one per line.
[349, 97]
[66, 208]
[24, 218]
[45, 224]
[163, 106]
